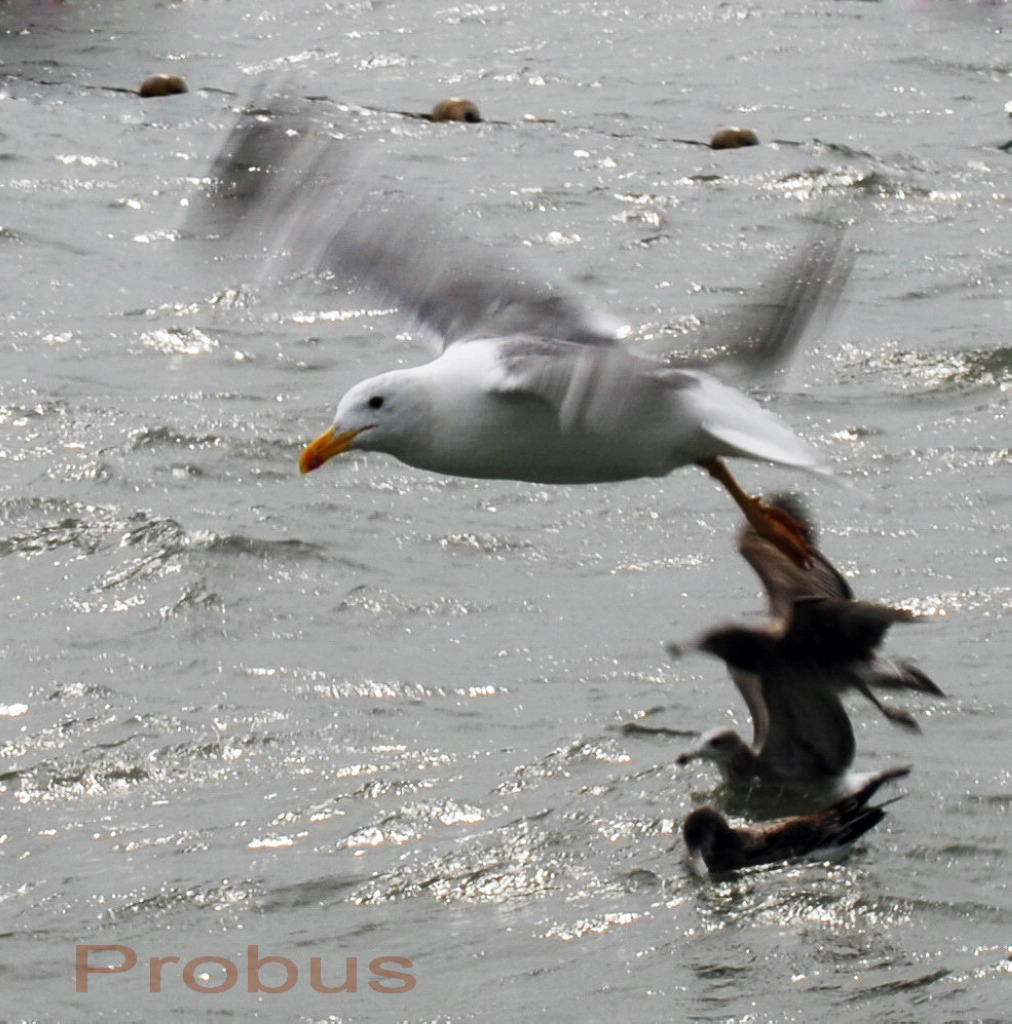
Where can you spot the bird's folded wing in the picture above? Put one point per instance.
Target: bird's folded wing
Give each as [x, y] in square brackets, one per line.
[745, 427]
[604, 389]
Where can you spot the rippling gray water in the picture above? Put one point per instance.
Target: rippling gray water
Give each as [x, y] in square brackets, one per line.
[376, 714]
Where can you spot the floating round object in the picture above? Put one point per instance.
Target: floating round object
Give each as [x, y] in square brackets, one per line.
[733, 137]
[162, 85]
[456, 108]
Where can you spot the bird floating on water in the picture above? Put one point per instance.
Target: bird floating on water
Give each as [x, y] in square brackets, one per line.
[530, 383]
[826, 833]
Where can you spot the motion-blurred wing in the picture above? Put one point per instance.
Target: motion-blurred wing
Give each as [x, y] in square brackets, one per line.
[316, 204]
[751, 689]
[766, 333]
[784, 581]
[810, 734]
[830, 629]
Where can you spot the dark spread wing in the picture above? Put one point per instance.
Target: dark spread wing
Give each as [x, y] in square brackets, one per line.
[315, 203]
[865, 624]
[784, 581]
[832, 630]
[751, 689]
[900, 675]
[810, 736]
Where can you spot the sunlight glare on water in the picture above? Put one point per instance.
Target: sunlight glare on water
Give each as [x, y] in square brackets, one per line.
[375, 713]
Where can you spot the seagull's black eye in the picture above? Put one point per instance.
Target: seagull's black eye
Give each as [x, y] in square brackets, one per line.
[376, 402]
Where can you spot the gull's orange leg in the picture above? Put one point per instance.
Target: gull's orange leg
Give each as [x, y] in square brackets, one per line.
[783, 531]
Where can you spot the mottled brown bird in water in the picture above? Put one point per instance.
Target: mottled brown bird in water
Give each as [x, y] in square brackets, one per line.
[723, 847]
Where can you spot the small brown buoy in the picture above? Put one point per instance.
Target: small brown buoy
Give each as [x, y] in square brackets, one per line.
[455, 108]
[161, 85]
[733, 137]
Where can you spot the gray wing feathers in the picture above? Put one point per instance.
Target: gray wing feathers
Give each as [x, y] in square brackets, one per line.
[751, 689]
[315, 203]
[764, 337]
[746, 428]
[592, 388]
[810, 734]
[784, 581]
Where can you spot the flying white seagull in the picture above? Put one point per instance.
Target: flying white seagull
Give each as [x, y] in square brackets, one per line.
[530, 383]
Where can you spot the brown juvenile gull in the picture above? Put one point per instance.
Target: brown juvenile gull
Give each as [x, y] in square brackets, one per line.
[783, 581]
[722, 847]
[816, 625]
[819, 643]
[786, 583]
[530, 383]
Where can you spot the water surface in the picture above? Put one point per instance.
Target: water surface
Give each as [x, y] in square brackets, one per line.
[376, 713]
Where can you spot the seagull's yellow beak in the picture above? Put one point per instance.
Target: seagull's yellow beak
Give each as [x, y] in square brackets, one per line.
[325, 447]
